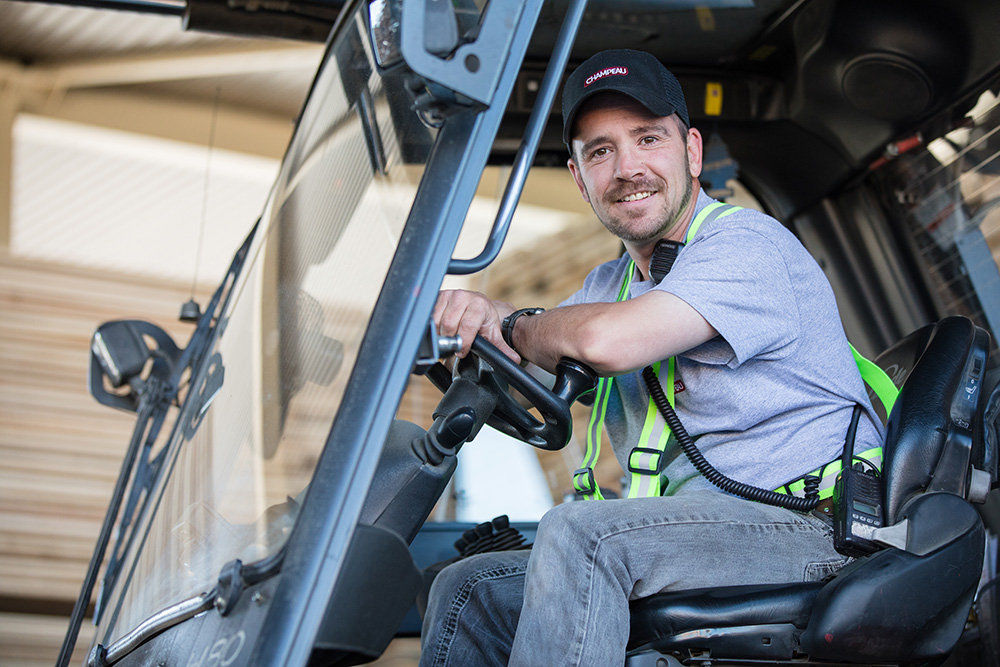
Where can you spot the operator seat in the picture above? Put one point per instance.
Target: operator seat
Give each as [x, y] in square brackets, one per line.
[903, 604]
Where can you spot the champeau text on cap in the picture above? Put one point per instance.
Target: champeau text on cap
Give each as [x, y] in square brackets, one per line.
[607, 71]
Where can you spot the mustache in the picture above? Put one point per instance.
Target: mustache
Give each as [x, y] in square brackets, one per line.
[626, 189]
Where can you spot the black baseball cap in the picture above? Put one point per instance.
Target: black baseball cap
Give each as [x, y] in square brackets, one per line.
[634, 73]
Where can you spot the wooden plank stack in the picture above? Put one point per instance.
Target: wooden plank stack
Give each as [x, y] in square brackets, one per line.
[60, 451]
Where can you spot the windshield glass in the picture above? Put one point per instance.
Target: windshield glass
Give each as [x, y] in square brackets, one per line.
[259, 415]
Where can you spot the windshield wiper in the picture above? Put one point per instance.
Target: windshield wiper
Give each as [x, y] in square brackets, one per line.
[150, 398]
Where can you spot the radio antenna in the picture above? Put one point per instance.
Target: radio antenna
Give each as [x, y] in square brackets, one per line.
[191, 311]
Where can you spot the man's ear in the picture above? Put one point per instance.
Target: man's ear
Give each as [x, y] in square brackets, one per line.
[578, 177]
[694, 150]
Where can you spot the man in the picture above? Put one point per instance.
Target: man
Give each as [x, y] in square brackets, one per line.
[763, 379]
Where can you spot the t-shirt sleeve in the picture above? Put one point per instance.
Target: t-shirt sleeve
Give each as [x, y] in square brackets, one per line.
[577, 297]
[601, 284]
[737, 279]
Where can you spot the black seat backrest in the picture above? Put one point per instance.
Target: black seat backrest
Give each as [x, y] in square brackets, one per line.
[898, 360]
[932, 437]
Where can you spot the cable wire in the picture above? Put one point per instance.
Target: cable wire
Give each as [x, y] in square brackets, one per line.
[797, 503]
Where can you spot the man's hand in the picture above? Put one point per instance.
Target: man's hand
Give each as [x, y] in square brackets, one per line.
[468, 314]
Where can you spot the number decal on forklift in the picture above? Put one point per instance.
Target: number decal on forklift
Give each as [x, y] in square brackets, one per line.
[222, 653]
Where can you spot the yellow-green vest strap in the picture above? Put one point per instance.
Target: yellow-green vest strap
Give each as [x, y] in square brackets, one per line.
[877, 379]
[583, 479]
[646, 461]
[827, 474]
[886, 390]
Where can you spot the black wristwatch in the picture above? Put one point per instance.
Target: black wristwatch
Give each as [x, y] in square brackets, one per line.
[507, 326]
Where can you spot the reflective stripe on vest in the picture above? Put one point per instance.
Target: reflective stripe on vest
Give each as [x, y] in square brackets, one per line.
[876, 378]
[645, 460]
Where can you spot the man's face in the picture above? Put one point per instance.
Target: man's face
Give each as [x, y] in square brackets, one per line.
[636, 170]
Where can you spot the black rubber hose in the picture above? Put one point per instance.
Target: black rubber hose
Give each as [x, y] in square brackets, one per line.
[797, 503]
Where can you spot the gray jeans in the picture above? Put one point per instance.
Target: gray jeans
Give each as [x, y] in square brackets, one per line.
[566, 601]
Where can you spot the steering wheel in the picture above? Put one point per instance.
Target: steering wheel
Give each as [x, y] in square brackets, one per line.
[492, 370]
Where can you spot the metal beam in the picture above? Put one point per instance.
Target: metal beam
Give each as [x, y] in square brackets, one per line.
[64, 91]
[167, 118]
[161, 7]
[120, 71]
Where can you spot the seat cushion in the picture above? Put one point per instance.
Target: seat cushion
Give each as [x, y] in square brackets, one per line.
[668, 614]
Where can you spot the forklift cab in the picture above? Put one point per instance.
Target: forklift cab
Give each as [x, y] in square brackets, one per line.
[277, 485]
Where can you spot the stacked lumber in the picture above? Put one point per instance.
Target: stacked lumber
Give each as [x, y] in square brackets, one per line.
[33, 640]
[60, 451]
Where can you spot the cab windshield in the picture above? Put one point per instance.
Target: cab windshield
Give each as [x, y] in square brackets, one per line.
[287, 340]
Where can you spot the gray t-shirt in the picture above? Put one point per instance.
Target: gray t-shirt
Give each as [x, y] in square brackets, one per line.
[770, 398]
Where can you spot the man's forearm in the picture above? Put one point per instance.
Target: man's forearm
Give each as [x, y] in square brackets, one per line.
[571, 331]
[612, 338]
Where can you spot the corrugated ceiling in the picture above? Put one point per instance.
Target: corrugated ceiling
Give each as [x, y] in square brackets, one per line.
[34, 32]
[104, 198]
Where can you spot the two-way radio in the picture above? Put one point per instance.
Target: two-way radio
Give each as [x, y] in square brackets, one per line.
[857, 502]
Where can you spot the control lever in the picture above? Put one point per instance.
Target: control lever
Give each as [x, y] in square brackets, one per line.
[445, 436]
[574, 380]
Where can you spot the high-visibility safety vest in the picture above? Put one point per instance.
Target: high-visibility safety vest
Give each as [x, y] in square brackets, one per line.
[646, 460]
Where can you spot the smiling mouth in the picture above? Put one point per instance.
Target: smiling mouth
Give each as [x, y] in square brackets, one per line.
[636, 196]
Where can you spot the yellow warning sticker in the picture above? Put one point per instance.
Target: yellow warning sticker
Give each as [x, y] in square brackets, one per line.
[713, 98]
[706, 20]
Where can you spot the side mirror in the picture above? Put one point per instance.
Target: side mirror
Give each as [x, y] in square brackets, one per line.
[119, 352]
